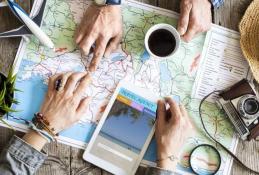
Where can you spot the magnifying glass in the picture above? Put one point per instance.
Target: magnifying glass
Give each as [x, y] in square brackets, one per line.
[205, 160]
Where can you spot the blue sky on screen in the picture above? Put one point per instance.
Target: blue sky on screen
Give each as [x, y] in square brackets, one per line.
[128, 130]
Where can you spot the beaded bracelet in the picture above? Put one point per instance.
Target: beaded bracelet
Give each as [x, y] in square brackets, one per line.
[43, 133]
[41, 123]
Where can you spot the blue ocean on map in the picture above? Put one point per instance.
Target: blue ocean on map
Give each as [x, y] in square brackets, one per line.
[31, 97]
[145, 56]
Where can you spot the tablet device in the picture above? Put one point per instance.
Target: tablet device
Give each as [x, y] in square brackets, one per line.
[124, 131]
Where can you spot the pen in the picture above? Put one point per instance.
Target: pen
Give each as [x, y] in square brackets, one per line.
[33, 27]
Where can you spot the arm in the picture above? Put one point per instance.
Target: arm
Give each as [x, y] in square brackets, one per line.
[61, 109]
[19, 157]
[172, 129]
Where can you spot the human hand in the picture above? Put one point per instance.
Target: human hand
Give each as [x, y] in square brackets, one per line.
[172, 129]
[62, 108]
[101, 26]
[65, 107]
[195, 17]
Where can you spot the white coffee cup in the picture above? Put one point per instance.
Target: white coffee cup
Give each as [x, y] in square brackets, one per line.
[169, 28]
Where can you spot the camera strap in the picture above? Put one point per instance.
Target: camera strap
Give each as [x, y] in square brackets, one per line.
[217, 142]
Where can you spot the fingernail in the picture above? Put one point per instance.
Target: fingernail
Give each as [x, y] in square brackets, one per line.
[181, 31]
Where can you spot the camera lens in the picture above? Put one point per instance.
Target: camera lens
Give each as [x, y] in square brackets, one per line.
[251, 106]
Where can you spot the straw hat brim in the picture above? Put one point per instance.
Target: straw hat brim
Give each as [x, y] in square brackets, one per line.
[249, 31]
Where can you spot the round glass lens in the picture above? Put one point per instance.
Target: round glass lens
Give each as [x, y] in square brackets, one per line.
[251, 106]
[205, 160]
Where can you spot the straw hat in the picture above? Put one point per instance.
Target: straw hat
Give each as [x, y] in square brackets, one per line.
[249, 30]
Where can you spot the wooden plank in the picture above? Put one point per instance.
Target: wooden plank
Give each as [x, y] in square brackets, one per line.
[230, 14]
[170, 4]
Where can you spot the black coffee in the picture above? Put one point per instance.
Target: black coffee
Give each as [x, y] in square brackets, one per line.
[161, 42]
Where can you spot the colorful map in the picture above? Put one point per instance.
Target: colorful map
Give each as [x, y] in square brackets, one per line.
[174, 76]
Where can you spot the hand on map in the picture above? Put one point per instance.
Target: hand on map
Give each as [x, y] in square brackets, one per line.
[172, 129]
[65, 107]
[101, 26]
[195, 17]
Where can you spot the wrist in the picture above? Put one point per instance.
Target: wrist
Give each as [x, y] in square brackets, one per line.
[35, 140]
[167, 164]
[167, 159]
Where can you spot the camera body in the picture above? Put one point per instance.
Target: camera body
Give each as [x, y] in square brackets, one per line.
[241, 104]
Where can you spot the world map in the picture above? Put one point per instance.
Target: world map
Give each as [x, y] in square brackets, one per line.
[171, 77]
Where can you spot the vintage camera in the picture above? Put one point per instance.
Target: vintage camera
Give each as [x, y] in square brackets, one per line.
[241, 104]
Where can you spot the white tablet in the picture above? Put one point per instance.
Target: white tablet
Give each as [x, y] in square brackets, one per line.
[124, 131]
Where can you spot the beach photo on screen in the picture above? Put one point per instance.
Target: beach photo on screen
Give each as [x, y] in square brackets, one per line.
[127, 126]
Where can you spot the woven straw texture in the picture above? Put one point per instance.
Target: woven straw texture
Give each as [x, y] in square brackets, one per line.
[249, 30]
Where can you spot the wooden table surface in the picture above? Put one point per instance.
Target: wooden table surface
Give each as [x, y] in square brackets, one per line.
[64, 160]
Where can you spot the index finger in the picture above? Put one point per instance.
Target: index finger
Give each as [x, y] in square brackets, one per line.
[191, 32]
[184, 18]
[101, 45]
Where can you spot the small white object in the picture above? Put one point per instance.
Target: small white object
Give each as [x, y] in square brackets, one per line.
[35, 29]
[171, 29]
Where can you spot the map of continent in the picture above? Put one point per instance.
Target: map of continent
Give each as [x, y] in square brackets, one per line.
[173, 77]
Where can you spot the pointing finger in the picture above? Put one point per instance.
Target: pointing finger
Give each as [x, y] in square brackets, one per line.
[191, 32]
[184, 18]
[113, 45]
[98, 53]
[86, 44]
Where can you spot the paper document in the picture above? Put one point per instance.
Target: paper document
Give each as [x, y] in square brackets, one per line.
[222, 63]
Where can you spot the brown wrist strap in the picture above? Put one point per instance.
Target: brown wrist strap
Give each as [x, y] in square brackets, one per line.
[41, 123]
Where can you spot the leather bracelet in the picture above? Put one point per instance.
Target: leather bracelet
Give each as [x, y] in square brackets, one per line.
[41, 123]
[43, 133]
